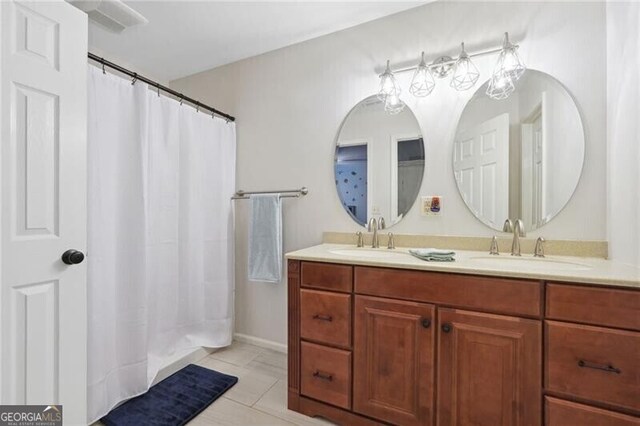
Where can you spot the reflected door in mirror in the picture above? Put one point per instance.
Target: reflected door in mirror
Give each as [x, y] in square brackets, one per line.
[519, 157]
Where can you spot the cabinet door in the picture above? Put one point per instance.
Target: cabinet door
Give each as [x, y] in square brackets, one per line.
[489, 370]
[393, 360]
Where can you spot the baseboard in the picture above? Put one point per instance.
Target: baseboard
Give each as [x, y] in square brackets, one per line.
[263, 343]
[181, 360]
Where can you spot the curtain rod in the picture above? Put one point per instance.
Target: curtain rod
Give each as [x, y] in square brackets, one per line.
[180, 96]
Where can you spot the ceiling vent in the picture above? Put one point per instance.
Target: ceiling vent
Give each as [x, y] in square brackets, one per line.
[112, 15]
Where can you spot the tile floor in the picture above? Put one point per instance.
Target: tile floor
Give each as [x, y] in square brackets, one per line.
[260, 396]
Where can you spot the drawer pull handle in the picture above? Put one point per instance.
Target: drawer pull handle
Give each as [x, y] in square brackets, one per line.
[446, 327]
[319, 375]
[426, 322]
[607, 368]
[323, 317]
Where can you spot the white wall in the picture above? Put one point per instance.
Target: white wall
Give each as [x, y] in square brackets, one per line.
[623, 115]
[290, 103]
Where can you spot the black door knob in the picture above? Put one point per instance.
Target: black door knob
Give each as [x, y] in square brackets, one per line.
[446, 327]
[72, 257]
[426, 322]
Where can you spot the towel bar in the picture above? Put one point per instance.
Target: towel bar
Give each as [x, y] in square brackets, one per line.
[284, 193]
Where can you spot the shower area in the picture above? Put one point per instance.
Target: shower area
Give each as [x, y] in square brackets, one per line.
[161, 175]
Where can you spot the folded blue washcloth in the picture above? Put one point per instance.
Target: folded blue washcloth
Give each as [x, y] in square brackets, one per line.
[433, 255]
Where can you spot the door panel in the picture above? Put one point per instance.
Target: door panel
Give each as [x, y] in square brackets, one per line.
[489, 370]
[481, 168]
[394, 356]
[43, 69]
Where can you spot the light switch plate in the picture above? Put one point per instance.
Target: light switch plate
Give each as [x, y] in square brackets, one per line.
[431, 205]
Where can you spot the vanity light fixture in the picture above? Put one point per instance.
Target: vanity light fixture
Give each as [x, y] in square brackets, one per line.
[422, 83]
[388, 85]
[465, 75]
[509, 68]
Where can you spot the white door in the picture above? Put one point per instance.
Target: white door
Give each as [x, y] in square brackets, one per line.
[533, 189]
[43, 66]
[481, 167]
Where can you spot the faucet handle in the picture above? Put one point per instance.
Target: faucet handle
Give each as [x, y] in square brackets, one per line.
[508, 226]
[360, 241]
[539, 250]
[391, 242]
[494, 246]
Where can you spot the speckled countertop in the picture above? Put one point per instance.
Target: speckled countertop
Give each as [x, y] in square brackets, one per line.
[584, 270]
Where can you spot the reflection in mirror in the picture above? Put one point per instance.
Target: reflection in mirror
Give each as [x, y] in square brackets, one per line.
[379, 162]
[521, 157]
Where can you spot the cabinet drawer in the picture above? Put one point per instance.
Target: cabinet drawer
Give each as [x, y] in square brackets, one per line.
[327, 276]
[598, 306]
[594, 363]
[564, 413]
[498, 295]
[325, 317]
[326, 374]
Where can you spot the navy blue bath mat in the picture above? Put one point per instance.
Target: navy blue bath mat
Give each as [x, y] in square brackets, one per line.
[174, 401]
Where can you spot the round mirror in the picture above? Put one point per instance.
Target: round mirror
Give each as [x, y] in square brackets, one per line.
[379, 162]
[520, 157]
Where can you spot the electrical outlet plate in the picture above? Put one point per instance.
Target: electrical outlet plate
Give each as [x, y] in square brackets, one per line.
[431, 205]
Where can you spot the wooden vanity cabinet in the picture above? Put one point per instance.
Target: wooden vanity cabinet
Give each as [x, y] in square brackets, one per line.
[393, 367]
[380, 346]
[488, 369]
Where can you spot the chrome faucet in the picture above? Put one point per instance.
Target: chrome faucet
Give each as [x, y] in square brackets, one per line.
[360, 243]
[381, 223]
[518, 231]
[493, 250]
[391, 244]
[539, 250]
[508, 226]
[373, 227]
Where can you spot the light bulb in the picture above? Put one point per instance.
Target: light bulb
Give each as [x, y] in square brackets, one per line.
[422, 83]
[393, 104]
[388, 84]
[466, 74]
[500, 87]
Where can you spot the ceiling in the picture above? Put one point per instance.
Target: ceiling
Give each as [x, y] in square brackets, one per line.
[186, 37]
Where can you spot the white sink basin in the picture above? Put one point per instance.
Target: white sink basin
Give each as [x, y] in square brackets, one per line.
[530, 263]
[368, 253]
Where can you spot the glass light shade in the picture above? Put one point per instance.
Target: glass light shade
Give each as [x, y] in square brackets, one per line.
[422, 83]
[393, 104]
[388, 85]
[466, 74]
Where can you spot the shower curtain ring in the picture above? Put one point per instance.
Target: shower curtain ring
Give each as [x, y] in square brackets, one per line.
[135, 78]
[158, 87]
[181, 98]
[213, 114]
[197, 106]
[103, 70]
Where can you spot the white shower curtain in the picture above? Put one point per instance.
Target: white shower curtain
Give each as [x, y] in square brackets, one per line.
[160, 247]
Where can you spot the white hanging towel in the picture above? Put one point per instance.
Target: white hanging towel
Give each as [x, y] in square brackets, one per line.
[265, 238]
